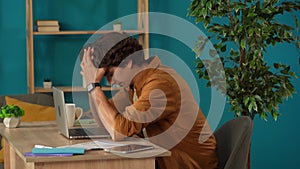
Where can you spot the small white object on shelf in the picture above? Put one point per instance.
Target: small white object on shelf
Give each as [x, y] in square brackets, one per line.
[47, 84]
[117, 26]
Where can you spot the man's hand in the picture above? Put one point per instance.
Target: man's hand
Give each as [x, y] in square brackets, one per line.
[88, 70]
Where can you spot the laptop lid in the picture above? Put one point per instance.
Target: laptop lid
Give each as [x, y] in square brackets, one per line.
[61, 118]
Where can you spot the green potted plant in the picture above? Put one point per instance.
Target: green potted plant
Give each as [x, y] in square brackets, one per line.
[241, 33]
[241, 38]
[11, 115]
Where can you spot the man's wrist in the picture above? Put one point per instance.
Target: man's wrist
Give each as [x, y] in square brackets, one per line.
[91, 86]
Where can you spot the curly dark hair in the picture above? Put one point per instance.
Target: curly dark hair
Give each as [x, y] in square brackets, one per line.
[113, 48]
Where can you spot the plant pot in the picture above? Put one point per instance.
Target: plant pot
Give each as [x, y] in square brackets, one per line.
[117, 27]
[47, 85]
[11, 122]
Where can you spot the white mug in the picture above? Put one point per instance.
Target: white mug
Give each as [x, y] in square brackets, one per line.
[73, 113]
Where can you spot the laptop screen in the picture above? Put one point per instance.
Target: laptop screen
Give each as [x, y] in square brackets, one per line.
[59, 103]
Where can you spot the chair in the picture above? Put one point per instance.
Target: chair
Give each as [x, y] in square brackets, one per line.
[233, 143]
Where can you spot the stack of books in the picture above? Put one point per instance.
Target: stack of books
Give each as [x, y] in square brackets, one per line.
[47, 25]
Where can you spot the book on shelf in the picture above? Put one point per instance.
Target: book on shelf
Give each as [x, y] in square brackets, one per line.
[47, 23]
[48, 28]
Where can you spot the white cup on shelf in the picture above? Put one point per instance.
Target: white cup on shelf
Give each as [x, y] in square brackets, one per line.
[73, 113]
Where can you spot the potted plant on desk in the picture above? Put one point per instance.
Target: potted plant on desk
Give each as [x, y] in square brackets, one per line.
[11, 115]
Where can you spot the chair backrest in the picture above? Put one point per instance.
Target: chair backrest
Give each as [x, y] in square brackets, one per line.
[233, 143]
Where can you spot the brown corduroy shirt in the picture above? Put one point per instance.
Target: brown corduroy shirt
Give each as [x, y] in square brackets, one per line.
[167, 113]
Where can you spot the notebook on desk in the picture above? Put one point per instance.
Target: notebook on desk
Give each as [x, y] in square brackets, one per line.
[62, 123]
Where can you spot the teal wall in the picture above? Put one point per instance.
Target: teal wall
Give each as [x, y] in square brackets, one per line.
[274, 144]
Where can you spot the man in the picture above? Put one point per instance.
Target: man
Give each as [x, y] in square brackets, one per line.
[154, 102]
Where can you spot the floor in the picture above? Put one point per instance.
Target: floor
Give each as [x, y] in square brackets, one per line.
[1, 165]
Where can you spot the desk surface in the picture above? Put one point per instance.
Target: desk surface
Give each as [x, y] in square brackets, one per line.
[23, 139]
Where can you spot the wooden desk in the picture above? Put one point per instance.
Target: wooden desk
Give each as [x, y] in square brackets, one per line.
[20, 140]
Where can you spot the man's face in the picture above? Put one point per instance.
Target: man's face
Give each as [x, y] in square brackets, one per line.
[118, 76]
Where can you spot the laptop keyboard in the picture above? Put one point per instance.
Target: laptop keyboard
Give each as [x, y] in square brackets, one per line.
[87, 131]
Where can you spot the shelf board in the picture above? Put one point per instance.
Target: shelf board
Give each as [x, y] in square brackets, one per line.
[86, 32]
[71, 89]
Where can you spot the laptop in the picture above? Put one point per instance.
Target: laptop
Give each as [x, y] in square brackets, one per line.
[62, 123]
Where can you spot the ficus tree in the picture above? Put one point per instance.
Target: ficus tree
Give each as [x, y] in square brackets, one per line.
[241, 32]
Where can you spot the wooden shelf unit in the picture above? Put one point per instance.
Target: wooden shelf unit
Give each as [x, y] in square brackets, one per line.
[142, 31]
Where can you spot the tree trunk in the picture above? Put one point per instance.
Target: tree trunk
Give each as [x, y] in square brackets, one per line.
[249, 158]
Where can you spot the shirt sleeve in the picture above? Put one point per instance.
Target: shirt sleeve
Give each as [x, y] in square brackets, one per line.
[158, 100]
[121, 100]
